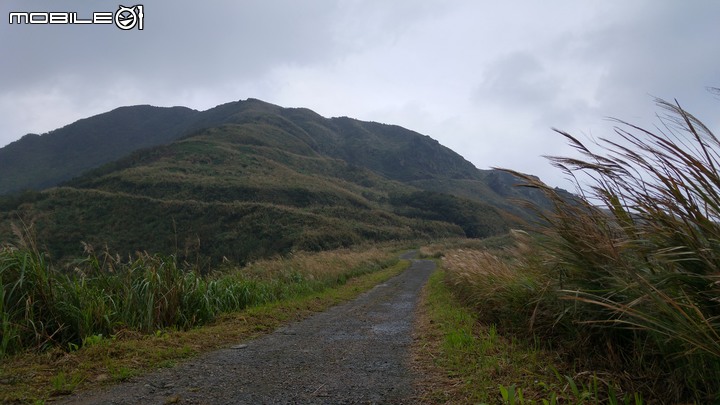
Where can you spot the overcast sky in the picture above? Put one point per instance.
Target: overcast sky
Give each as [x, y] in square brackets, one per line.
[486, 78]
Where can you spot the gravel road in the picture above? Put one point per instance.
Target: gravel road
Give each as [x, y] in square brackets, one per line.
[357, 352]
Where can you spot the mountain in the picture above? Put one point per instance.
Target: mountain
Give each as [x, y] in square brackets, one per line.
[244, 180]
[40, 161]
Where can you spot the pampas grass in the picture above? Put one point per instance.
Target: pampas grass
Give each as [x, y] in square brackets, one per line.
[640, 251]
[625, 277]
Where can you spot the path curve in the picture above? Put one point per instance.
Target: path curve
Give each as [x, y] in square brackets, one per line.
[356, 352]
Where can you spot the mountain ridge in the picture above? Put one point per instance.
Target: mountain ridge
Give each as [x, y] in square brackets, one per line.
[250, 179]
[35, 162]
[41, 161]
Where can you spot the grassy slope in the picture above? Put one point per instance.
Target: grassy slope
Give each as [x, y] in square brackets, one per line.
[239, 191]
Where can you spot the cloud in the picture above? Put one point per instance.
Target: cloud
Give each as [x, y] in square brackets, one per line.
[518, 80]
[203, 54]
[488, 79]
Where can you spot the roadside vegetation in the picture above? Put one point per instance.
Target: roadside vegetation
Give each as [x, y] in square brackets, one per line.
[112, 318]
[469, 360]
[42, 306]
[614, 296]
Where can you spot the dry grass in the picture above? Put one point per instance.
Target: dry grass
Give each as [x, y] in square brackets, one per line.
[506, 284]
[315, 266]
[475, 264]
[438, 249]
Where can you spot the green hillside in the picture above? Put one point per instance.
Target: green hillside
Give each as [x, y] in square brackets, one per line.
[245, 180]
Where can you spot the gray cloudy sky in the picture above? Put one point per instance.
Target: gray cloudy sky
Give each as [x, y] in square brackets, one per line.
[485, 78]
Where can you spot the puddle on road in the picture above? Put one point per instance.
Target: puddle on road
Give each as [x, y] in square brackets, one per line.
[390, 328]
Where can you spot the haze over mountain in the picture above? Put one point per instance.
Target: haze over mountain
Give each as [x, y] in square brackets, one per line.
[242, 180]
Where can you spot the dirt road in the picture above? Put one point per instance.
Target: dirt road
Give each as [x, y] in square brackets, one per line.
[357, 352]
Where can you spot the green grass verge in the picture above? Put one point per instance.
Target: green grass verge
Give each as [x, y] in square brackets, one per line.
[472, 363]
[31, 378]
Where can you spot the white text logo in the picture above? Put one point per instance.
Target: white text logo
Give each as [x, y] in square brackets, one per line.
[125, 18]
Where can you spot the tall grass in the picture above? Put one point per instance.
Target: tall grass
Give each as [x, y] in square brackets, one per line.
[640, 251]
[42, 306]
[626, 277]
[508, 285]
